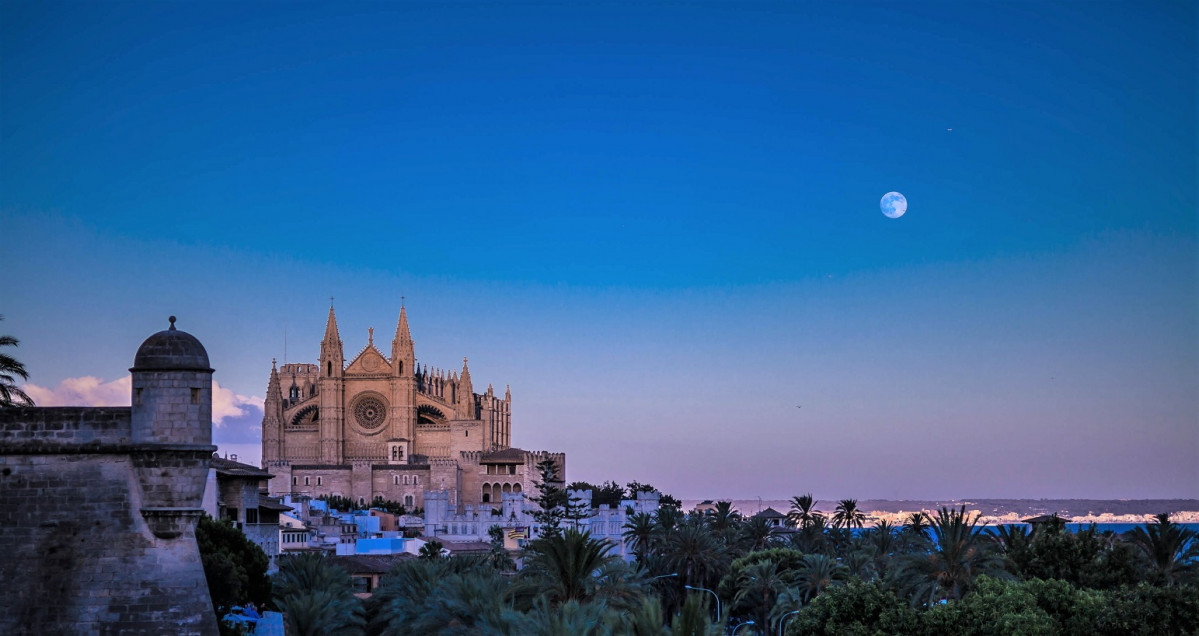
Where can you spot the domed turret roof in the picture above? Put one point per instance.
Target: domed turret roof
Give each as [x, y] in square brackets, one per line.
[171, 350]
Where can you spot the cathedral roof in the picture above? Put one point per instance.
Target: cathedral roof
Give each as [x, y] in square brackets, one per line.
[506, 456]
[171, 350]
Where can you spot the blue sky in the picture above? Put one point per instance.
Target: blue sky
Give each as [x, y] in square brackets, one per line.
[658, 222]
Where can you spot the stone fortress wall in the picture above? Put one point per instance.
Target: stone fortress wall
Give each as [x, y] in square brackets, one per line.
[98, 506]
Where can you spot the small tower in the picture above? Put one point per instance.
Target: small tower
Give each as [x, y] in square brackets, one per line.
[172, 390]
[171, 428]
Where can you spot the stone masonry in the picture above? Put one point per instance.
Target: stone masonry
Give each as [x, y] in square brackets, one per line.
[98, 506]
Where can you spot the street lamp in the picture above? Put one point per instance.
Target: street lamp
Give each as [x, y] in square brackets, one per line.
[704, 589]
[662, 576]
[783, 620]
[740, 626]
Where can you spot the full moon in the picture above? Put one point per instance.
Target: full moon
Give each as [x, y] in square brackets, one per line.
[893, 205]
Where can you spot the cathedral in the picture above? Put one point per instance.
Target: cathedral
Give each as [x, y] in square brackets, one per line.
[385, 426]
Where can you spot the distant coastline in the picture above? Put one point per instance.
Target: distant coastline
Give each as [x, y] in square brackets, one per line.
[998, 511]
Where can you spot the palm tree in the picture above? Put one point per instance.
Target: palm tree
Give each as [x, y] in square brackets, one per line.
[1172, 550]
[644, 620]
[316, 597]
[803, 511]
[565, 567]
[639, 534]
[758, 588]
[819, 572]
[695, 554]
[847, 515]
[694, 618]
[724, 516]
[404, 592]
[469, 601]
[960, 552]
[882, 539]
[10, 370]
[755, 534]
[812, 539]
[568, 619]
[915, 531]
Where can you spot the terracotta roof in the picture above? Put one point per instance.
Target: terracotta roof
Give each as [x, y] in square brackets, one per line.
[231, 468]
[770, 513]
[506, 456]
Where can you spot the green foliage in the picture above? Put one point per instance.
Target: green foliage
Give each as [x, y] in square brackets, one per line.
[316, 597]
[610, 493]
[960, 552]
[338, 503]
[431, 550]
[1172, 550]
[387, 505]
[856, 608]
[695, 618]
[788, 561]
[1083, 558]
[574, 566]
[10, 370]
[551, 500]
[234, 566]
[993, 607]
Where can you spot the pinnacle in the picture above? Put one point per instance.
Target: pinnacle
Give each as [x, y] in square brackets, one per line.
[402, 333]
[331, 334]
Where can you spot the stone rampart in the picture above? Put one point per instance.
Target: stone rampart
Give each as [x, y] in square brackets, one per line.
[98, 506]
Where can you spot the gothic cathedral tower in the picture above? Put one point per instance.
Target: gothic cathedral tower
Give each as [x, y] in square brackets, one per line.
[331, 392]
[403, 390]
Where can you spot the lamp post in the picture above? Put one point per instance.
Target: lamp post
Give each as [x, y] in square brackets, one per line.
[704, 589]
[783, 620]
[740, 626]
[662, 576]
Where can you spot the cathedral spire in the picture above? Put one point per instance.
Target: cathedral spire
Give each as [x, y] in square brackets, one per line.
[403, 355]
[466, 393]
[273, 391]
[331, 333]
[332, 359]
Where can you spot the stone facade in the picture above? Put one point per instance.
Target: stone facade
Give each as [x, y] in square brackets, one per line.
[386, 426]
[98, 506]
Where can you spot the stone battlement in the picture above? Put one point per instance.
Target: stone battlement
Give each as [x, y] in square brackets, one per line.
[65, 427]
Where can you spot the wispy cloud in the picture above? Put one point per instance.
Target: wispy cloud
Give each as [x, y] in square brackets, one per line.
[93, 391]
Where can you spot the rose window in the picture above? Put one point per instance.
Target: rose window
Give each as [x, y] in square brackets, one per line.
[369, 412]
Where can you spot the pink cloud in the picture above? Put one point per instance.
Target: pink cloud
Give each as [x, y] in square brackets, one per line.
[93, 391]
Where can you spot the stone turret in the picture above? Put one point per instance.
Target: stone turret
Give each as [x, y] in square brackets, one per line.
[172, 390]
[171, 418]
